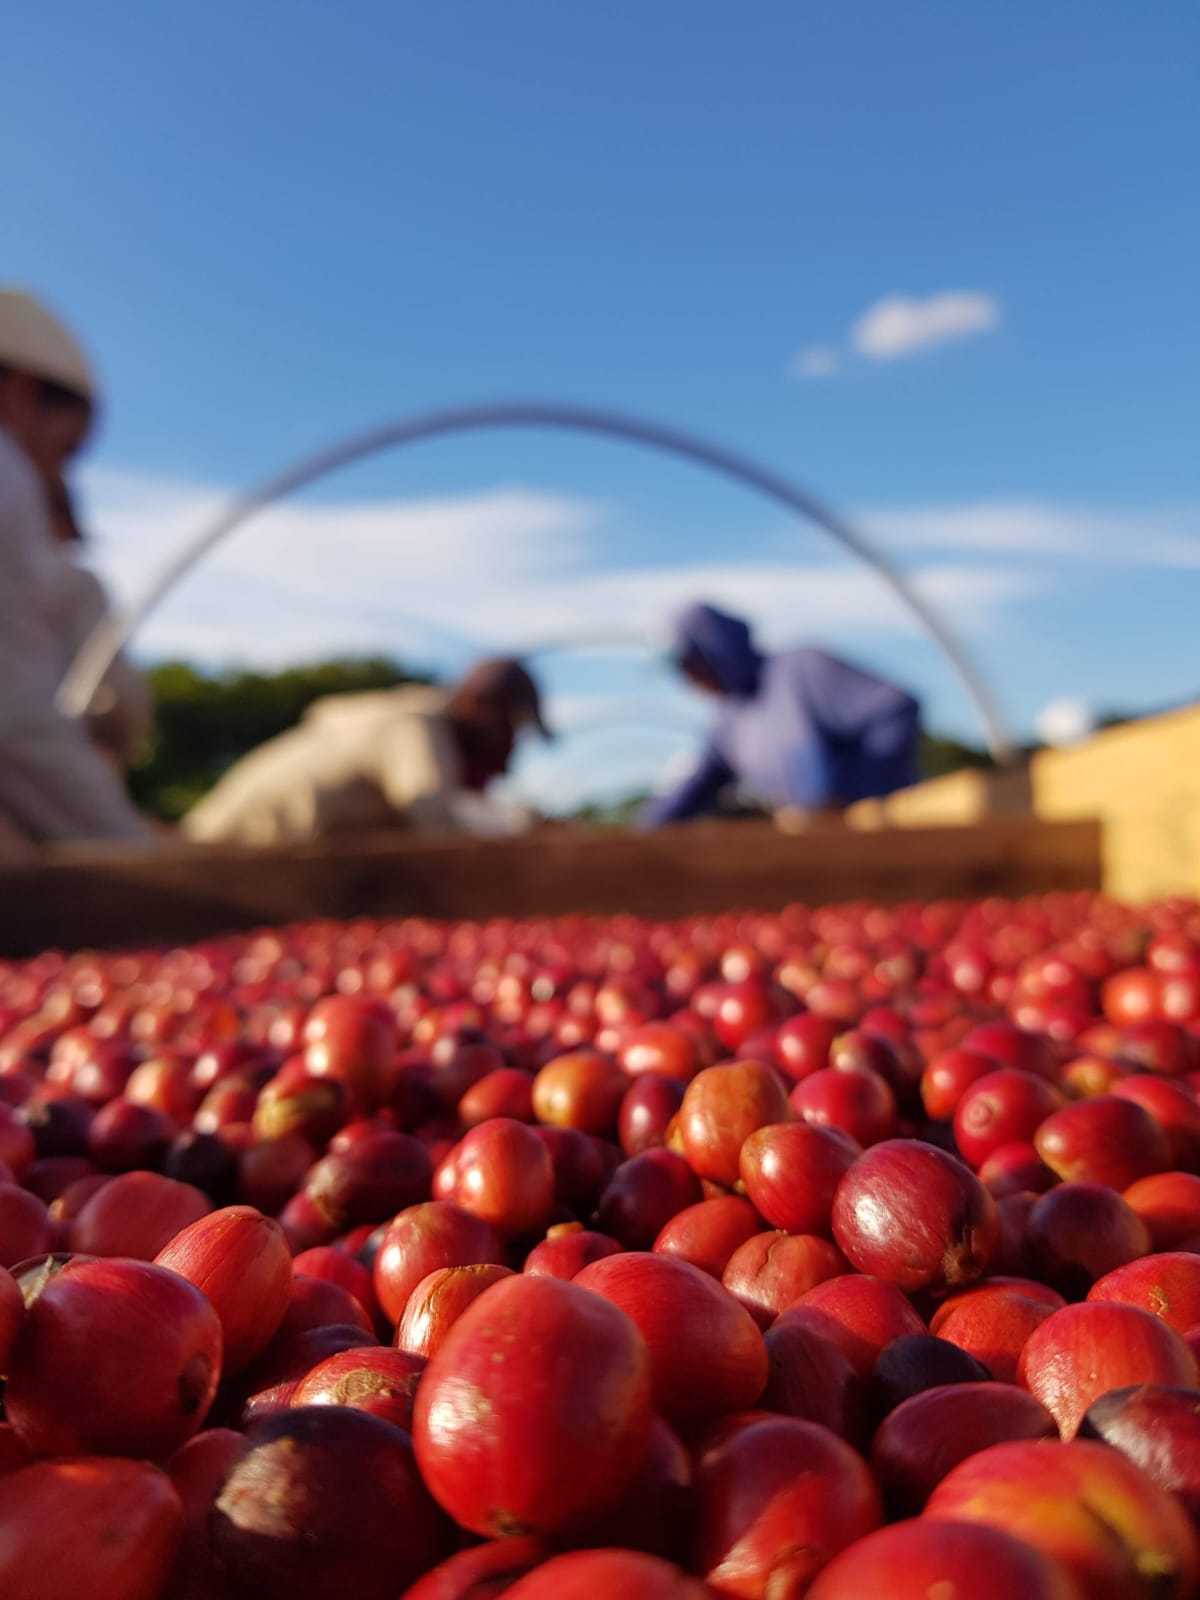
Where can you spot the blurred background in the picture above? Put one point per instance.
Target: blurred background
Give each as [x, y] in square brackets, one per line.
[934, 262]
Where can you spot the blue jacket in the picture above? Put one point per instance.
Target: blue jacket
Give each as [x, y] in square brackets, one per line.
[801, 728]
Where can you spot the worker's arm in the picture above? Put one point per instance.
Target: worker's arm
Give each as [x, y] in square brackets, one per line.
[57, 787]
[696, 796]
[811, 784]
[892, 745]
[120, 716]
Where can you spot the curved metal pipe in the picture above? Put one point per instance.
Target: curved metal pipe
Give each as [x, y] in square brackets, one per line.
[618, 640]
[635, 722]
[99, 651]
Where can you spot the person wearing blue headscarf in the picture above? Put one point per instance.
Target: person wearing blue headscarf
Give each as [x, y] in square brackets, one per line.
[801, 731]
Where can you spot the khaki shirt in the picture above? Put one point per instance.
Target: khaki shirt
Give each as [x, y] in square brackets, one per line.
[54, 785]
[356, 761]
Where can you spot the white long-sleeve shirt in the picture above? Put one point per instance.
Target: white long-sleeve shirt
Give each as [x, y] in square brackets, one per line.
[54, 785]
[356, 761]
[122, 702]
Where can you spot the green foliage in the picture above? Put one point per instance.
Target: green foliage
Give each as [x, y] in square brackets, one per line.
[939, 755]
[622, 813]
[204, 722]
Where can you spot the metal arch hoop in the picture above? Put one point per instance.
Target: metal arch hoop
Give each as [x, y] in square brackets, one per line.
[101, 648]
[638, 722]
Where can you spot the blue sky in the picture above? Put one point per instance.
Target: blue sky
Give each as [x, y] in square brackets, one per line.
[277, 223]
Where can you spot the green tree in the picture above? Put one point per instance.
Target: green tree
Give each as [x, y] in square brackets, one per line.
[939, 755]
[205, 721]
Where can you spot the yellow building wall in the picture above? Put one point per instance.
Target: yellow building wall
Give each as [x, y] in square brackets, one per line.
[1141, 780]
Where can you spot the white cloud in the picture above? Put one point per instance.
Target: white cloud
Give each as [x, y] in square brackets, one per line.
[896, 326]
[786, 598]
[989, 525]
[1178, 549]
[818, 361]
[1153, 538]
[302, 580]
[439, 580]
[1064, 722]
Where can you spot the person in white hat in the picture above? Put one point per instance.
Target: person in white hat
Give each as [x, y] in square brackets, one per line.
[55, 785]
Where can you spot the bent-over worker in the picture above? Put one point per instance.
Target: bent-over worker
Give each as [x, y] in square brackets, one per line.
[415, 757]
[803, 733]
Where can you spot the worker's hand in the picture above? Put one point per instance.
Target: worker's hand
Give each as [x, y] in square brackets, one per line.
[791, 819]
[488, 818]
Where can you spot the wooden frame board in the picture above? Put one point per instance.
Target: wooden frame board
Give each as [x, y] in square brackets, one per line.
[114, 897]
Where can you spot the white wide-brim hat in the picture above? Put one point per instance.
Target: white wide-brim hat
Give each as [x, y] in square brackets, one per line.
[33, 340]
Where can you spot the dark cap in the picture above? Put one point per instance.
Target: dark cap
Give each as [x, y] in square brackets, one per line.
[504, 680]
